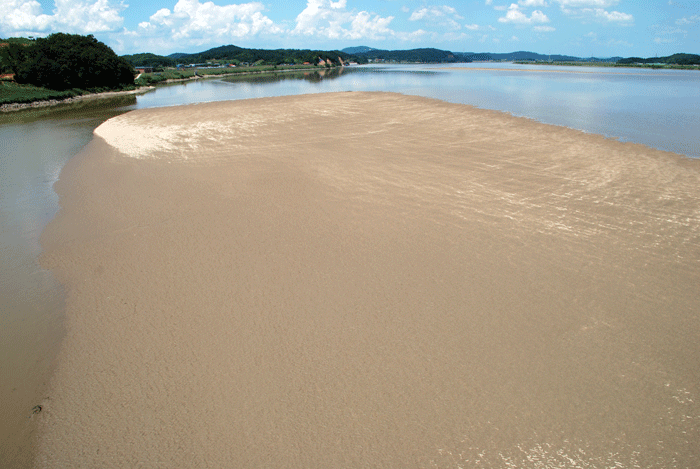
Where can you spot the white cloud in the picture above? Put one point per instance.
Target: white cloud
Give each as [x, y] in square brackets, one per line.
[434, 12]
[441, 16]
[19, 15]
[207, 22]
[587, 3]
[689, 20]
[609, 15]
[327, 19]
[515, 15]
[664, 40]
[544, 29]
[70, 16]
[366, 26]
[532, 3]
[472, 27]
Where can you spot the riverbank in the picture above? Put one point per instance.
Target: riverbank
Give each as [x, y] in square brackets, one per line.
[371, 279]
[173, 76]
[611, 65]
[54, 102]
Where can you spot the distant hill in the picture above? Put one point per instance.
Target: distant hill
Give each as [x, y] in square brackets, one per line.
[357, 50]
[149, 60]
[364, 54]
[427, 55]
[442, 56]
[16, 40]
[675, 59]
[519, 55]
[235, 54]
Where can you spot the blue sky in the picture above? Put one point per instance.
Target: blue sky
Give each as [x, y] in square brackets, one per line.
[575, 27]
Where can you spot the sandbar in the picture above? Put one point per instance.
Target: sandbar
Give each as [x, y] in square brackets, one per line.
[372, 280]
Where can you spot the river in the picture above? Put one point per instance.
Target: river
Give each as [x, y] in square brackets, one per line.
[659, 108]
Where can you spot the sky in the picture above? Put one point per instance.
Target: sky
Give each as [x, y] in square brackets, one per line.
[584, 28]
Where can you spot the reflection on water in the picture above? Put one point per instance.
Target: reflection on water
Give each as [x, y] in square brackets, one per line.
[659, 108]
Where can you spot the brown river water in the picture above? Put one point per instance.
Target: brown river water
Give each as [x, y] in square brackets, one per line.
[657, 396]
[371, 279]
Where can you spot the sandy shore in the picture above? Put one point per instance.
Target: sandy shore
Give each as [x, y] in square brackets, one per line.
[372, 280]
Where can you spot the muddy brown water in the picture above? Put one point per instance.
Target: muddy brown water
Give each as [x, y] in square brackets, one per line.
[365, 279]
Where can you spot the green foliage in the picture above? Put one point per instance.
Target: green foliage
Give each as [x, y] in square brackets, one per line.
[675, 59]
[65, 61]
[149, 60]
[11, 54]
[11, 92]
[147, 79]
[233, 54]
[413, 55]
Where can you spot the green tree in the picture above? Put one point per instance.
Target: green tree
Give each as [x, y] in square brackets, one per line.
[64, 61]
[12, 55]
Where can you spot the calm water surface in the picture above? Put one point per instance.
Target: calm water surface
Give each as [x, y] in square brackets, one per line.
[654, 107]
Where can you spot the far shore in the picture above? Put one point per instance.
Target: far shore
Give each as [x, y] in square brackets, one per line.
[143, 89]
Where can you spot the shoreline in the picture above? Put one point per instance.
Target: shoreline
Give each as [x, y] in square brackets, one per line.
[54, 102]
[286, 281]
[142, 89]
[631, 71]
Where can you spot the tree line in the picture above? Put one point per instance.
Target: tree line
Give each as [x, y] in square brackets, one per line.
[66, 61]
[237, 55]
[675, 59]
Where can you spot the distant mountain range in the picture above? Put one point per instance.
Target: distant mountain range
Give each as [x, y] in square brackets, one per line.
[372, 53]
[365, 54]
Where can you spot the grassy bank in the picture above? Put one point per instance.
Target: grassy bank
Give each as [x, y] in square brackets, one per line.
[11, 93]
[14, 93]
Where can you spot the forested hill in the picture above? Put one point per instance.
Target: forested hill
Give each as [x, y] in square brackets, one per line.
[65, 61]
[364, 54]
[675, 59]
[533, 56]
[427, 55]
[150, 60]
[235, 54]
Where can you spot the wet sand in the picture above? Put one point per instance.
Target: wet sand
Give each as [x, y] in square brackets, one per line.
[372, 280]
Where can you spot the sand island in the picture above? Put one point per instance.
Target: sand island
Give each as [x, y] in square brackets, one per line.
[372, 280]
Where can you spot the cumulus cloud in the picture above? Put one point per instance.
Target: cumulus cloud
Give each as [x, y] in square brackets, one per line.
[20, 15]
[442, 16]
[615, 16]
[587, 3]
[515, 15]
[331, 20]
[688, 20]
[597, 9]
[71, 16]
[204, 22]
[434, 12]
[532, 3]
